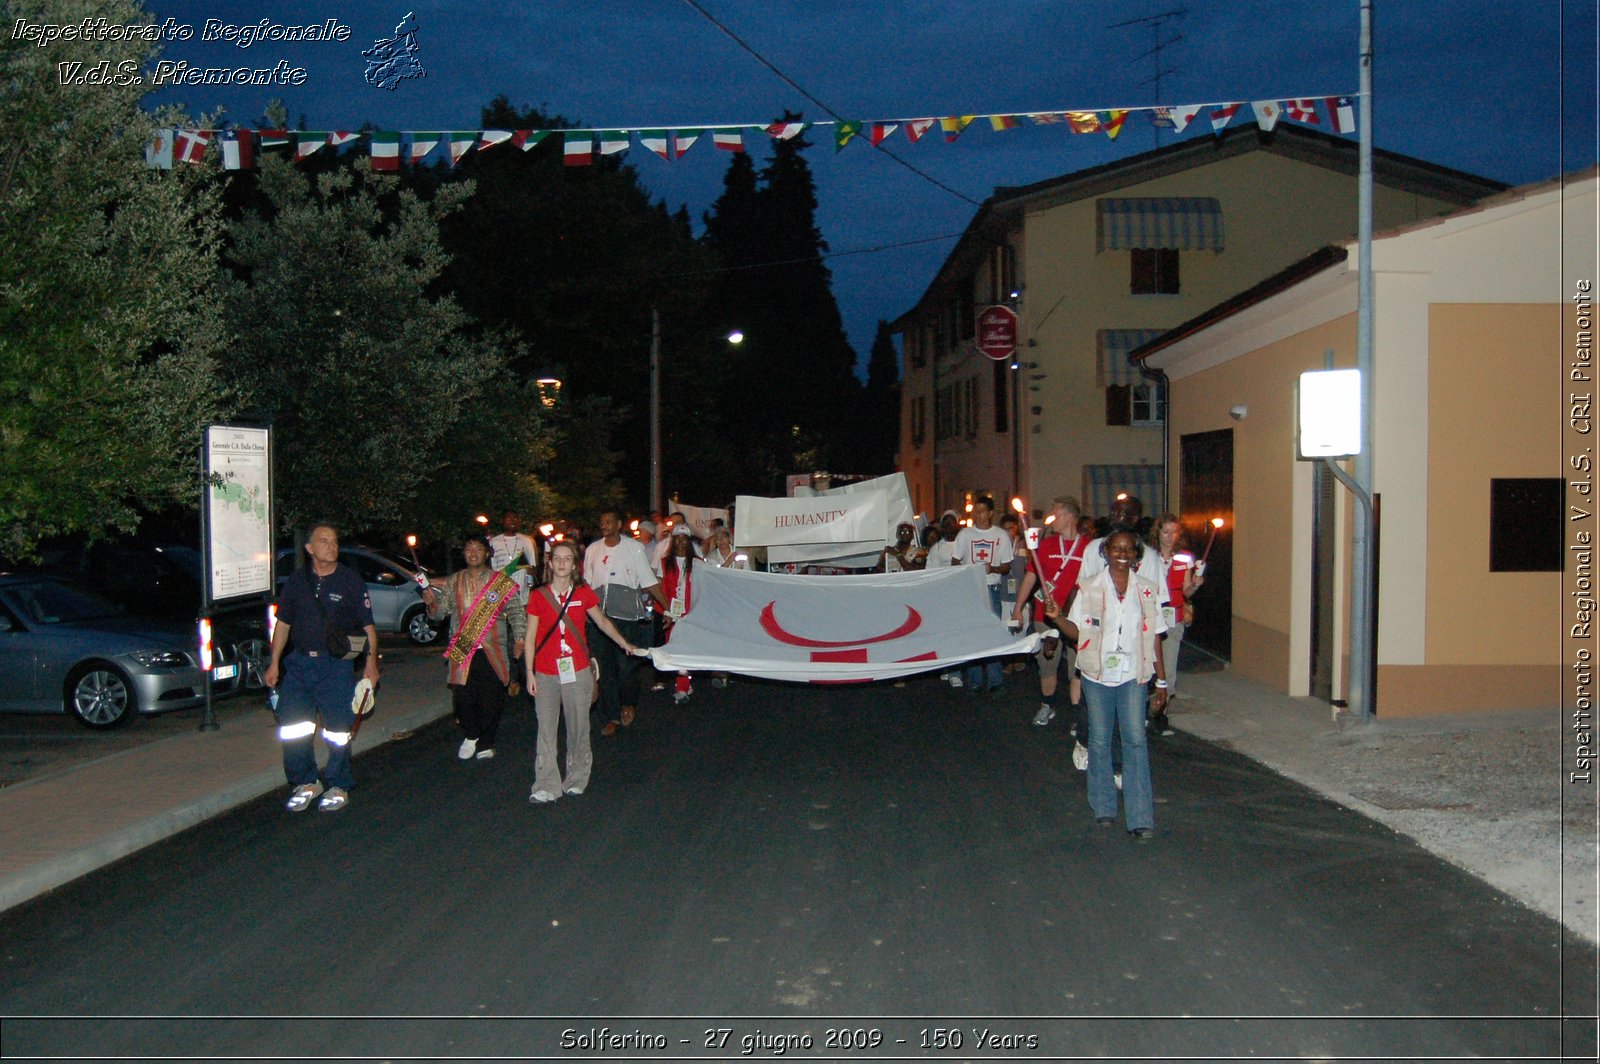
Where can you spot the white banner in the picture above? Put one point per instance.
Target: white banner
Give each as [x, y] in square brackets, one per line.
[820, 629]
[699, 517]
[764, 522]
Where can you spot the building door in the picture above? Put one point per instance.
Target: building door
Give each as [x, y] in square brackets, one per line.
[1323, 661]
[1207, 493]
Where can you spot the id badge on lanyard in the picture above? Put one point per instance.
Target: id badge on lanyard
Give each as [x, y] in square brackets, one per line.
[1169, 615]
[566, 671]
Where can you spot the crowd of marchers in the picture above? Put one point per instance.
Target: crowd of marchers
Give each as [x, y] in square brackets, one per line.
[567, 622]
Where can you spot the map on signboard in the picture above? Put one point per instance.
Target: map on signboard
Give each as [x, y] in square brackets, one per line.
[238, 511]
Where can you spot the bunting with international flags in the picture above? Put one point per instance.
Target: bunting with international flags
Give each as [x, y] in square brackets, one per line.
[240, 148]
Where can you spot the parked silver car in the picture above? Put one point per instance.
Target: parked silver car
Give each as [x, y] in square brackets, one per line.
[396, 596]
[65, 649]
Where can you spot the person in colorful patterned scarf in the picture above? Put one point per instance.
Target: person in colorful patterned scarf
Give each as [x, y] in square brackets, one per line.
[482, 604]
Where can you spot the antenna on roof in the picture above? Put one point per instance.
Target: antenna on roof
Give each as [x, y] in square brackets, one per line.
[1159, 42]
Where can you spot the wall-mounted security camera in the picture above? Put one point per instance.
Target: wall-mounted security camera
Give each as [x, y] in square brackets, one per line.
[1239, 412]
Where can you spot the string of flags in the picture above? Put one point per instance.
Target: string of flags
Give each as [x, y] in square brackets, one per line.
[238, 147]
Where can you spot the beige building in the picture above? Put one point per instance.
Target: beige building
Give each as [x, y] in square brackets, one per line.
[1096, 263]
[1473, 326]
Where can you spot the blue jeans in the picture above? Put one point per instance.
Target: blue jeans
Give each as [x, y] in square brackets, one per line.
[1120, 709]
[987, 674]
[313, 687]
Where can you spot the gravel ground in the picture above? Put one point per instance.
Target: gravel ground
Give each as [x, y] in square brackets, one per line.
[1487, 792]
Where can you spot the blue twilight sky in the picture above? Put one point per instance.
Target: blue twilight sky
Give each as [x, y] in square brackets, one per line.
[1505, 90]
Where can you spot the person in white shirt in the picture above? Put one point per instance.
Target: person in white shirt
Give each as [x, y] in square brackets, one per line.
[618, 569]
[986, 544]
[939, 556]
[1115, 620]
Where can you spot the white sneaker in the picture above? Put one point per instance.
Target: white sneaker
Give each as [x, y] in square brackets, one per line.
[574, 791]
[1116, 777]
[1080, 757]
[468, 748]
[1045, 715]
[956, 681]
[486, 753]
[542, 797]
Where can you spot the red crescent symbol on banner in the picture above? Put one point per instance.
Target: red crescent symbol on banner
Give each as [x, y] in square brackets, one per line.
[770, 625]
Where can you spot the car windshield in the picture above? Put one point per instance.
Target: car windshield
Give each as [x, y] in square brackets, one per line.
[53, 602]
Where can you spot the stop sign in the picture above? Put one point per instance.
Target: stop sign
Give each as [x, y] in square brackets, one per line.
[997, 333]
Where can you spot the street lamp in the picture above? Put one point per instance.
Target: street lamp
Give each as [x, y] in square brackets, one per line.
[734, 336]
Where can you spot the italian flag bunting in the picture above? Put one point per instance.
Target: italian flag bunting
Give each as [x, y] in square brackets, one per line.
[613, 141]
[340, 137]
[491, 137]
[655, 140]
[274, 138]
[577, 148]
[683, 140]
[386, 150]
[527, 138]
[461, 142]
[422, 144]
[728, 139]
[787, 130]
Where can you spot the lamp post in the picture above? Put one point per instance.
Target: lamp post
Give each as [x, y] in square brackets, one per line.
[734, 336]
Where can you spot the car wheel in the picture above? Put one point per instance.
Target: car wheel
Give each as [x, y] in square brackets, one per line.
[100, 696]
[420, 630]
[253, 655]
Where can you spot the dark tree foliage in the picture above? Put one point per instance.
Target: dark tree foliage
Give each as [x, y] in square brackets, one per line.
[572, 259]
[880, 405]
[778, 290]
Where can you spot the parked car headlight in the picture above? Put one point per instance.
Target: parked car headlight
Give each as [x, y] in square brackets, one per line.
[159, 659]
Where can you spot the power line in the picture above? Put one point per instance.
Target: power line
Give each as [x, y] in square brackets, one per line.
[836, 115]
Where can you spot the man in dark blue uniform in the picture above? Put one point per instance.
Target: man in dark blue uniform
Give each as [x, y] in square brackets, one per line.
[318, 599]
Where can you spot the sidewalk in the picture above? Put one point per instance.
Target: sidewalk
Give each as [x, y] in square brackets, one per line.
[58, 827]
[1484, 792]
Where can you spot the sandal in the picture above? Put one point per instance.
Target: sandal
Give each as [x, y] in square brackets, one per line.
[302, 797]
[335, 800]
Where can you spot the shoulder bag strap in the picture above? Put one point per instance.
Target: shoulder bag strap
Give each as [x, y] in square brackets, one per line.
[554, 625]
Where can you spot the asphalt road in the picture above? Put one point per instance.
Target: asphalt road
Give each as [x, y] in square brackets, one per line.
[886, 872]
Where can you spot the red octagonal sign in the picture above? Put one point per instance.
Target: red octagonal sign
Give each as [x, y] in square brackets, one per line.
[997, 333]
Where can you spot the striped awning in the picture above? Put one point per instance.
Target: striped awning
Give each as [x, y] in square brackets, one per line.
[1101, 483]
[1111, 365]
[1187, 223]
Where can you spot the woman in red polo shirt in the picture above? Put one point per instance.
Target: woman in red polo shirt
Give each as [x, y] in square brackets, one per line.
[556, 659]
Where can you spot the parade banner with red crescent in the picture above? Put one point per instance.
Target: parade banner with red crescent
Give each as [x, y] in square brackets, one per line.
[838, 629]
